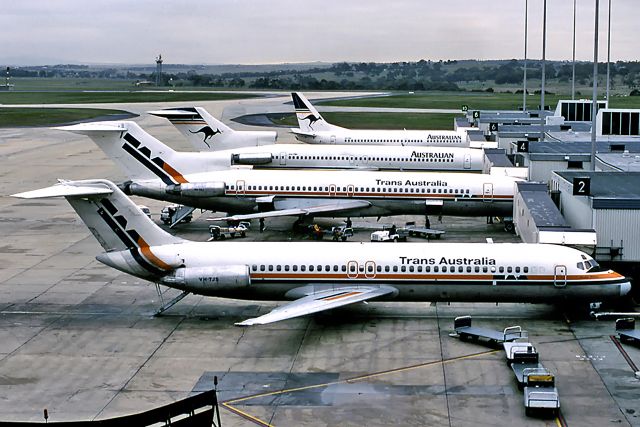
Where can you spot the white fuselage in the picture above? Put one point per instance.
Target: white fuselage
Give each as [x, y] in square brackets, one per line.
[419, 271]
[290, 156]
[433, 138]
[385, 193]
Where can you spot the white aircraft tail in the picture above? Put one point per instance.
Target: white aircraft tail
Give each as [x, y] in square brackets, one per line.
[203, 131]
[140, 155]
[116, 222]
[309, 120]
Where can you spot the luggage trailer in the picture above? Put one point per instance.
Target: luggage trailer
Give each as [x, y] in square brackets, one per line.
[538, 384]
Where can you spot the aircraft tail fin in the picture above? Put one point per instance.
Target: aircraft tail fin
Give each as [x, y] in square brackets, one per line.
[140, 155]
[309, 119]
[114, 219]
[200, 128]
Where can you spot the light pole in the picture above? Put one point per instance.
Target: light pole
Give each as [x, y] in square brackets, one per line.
[608, 49]
[595, 90]
[573, 74]
[544, 57]
[524, 88]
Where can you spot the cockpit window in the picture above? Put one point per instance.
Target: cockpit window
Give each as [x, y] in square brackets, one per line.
[580, 265]
[592, 266]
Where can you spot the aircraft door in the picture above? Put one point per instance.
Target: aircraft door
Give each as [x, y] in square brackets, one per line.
[487, 192]
[370, 270]
[467, 161]
[333, 139]
[350, 190]
[333, 190]
[283, 158]
[352, 269]
[240, 186]
[560, 276]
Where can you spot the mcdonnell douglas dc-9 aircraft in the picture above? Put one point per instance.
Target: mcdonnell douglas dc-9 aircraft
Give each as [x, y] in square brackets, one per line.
[320, 276]
[314, 129]
[303, 156]
[205, 132]
[158, 172]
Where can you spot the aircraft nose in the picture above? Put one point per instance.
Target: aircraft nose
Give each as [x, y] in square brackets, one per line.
[625, 288]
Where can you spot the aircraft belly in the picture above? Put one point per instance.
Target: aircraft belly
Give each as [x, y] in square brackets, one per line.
[477, 208]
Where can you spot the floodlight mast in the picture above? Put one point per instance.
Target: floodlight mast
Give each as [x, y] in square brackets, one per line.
[594, 106]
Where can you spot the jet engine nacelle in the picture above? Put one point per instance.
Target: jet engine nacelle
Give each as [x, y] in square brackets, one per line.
[251, 158]
[197, 189]
[209, 280]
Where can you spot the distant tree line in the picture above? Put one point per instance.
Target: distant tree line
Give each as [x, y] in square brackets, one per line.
[412, 76]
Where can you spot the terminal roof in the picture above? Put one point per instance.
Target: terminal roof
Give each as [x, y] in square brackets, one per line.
[609, 190]
[543, 211]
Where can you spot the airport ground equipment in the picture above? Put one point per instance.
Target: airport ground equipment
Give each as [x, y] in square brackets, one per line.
[626, 330]
[173, 215]
[540, 392]
[220, 233]
[466, 331]
[523, 359]
[390, 234]
[423, 232]
[341, 233]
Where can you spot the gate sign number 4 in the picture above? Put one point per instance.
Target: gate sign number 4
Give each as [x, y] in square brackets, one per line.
[581, 186]
[523, 146]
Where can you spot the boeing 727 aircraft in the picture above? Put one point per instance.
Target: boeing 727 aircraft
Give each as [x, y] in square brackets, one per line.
[158, 172]
[319, 276]
[303, 156]
[314, 129]
[205, 132]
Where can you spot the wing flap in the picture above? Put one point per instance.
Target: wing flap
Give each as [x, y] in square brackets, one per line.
[305, 211]
[321, 301]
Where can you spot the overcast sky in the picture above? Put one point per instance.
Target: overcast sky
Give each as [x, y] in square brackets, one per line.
[275, 31]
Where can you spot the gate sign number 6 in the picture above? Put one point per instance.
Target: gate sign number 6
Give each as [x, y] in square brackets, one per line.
[581, 186]
[476, 114]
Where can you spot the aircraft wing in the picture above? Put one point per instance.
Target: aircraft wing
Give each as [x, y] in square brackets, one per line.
[321, 301]
[303, 133]
[304, 211]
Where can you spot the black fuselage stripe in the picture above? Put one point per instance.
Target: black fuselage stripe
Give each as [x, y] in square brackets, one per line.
[128, 242]
[149, 164]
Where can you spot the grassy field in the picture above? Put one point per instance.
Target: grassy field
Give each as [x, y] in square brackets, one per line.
[413, 121]
[17, 117]
[474, 100]
[79, 97]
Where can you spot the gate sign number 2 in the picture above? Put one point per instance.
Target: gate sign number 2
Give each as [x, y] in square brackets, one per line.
[581, 186]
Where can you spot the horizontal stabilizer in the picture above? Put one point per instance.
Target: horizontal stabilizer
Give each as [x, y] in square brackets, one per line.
[66, 189]
[296, 131]
[321, 301]
[89, 128]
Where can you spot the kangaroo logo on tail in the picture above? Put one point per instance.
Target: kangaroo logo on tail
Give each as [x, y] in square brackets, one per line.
[312, 119]
[207, 133]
